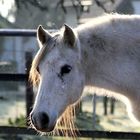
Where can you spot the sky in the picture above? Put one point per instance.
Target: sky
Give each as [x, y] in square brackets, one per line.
[5, 5]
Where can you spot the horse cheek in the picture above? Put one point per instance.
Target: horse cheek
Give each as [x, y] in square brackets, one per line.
[77, 90]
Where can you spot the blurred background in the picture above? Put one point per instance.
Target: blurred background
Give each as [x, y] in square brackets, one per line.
[94, 113]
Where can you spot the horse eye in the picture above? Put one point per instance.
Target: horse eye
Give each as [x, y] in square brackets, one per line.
[65, 69]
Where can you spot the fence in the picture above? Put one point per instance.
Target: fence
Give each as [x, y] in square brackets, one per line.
[29, 99]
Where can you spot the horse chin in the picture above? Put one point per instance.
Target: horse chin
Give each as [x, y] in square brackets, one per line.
[48, 129]
[45, 130]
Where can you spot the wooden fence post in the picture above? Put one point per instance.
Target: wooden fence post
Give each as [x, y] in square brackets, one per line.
[105, 102]
[94, 110]
[112, 106]
[29, 88]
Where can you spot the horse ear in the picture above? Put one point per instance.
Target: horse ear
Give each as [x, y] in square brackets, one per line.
[69, 36]
[42, 35]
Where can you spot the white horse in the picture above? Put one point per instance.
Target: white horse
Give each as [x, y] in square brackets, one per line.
[103, 54]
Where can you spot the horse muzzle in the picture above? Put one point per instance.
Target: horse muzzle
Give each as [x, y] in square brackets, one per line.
[42, 122]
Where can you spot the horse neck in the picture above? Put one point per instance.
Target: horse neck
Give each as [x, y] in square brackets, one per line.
[98, 59]
[95, 66]
[95, 58]
[91, 57]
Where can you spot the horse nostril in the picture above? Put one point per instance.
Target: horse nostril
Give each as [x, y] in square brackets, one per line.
[40, 121]
[44, 120]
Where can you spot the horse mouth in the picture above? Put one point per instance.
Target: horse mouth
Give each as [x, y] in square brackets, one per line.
[44, 129]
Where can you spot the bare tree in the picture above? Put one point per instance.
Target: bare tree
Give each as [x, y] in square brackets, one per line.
[27, 9]
[77, 4]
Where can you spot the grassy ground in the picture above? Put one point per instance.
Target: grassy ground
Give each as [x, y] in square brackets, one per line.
[119, 121]
[12, 105]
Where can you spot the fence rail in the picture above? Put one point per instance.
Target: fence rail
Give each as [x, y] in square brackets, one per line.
[13, 77]
[24, 77]
[81, 133]
[19, 32]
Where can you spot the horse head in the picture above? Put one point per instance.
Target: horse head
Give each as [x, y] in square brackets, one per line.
[57, 70]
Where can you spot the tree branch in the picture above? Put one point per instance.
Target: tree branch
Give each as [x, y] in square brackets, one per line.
[76, 7]
[35, 3]
[100, 4]
[61, 3]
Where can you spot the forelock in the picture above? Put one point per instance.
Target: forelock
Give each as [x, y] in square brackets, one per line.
[42, 52]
